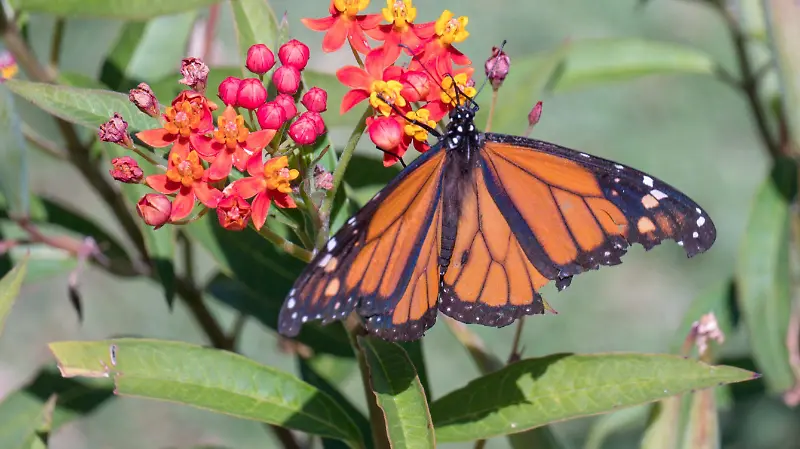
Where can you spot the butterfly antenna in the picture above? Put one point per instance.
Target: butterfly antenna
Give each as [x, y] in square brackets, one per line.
[390, 153]
[496, 58]
[415, 57]
[424, 126]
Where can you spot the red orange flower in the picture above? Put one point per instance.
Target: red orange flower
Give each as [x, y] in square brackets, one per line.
[345, 23]
[233, 213]
[380, 85]
[187, 178]
[268, 182]
[439, 54]
[231, 144]
[189, 114]
[400, 30]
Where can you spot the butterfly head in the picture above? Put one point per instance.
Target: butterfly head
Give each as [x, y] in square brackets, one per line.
[461, 127]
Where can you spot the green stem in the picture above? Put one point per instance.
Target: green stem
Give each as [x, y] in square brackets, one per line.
[338, 175]
[289, 247]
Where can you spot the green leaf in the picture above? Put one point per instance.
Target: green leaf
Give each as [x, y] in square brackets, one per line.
[702, 427]
[763, 275]
[611, 423]
[783, 23]
[664, 424]
[40, 436]
[605, 60]
[161, 48]
[111, 9]
[21, 410]
[85, 107]
[255, 24]
[534, 392]
[399, 394]
[13, 157]
[114, 72]
[10, 285]
[211, 379]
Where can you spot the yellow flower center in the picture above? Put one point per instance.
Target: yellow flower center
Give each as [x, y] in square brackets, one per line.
[181, 118]
[415, 130]
[278, 176]
[399, 12]
[449, 86]
[350, 8]
[231, 132]
[185, 171]
[384, 94]
[451, 29]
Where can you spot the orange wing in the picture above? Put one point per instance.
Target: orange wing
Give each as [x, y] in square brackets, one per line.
[382, 263]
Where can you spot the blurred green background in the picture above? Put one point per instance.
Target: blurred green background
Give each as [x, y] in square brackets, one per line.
[689, 130]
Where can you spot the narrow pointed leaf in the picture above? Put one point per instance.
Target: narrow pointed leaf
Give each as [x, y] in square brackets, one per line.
[399, 394]
[255, 24]
[607, 60]
[783, 23]
[10, 285]
[13, 157]
[211, 379]
[534, 392]
[85, 107]
[763, 278]
[118, 9]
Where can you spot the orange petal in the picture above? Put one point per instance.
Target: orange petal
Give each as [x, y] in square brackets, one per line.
[247, 187]
[358, 39]
[355, 77]
[334, 38]
[183, 204]
[161, 184]
[369, 21]
[255, 166]
[205, 146]
[209, 196]
[282, 200]
[157, 138]
[221, 166]
[374, 64]
[322, 24]
[259, 210]
[258, 140]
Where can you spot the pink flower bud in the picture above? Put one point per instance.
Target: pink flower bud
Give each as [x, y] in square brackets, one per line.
[315, 100]
[535, 114]
[252, 93]
[294, 53]
[233, 213]
[145, 100]
[303, 131]
[195, 74]
[259, 59]
[154, 208]
[323, 179]
[115, 131]
[126, 170]
[286, 79]
[229, 90]
[271, 115]
[497, 67]
[316, 118]
[286, 102]
[386, 133]
[416, 86]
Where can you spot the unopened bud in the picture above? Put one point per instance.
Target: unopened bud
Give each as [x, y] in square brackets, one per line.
[144, 99]
[154, 208]
[497, 67]
[195, 74]
[115, 131]
[535, 114]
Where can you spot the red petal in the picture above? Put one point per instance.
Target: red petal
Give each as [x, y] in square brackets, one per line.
[255, 166]
[355, 77]
[322, 24]
[389, 159]
[207, 195]
[247, 187]
[282, 200]
[334, 38]
[161, 184]
[458, 57]
[157, 138]
[258, 140]
[206, 123]
[221, 166]
[425, 30]
[358, 39]
[352, 98]
[259, 210]
[391, 50]
[374, 64]
[369, 21]
[380, 32]
[183, 204]
[205, 146]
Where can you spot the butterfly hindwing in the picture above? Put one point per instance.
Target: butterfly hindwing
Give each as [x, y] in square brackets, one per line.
[379, 262]
[574, 212]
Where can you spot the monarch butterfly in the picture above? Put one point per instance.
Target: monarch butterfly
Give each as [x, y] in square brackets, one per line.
[477, 225]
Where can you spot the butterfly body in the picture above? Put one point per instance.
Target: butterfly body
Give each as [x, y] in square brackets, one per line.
[477, 225]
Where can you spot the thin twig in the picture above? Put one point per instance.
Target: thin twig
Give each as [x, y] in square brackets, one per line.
[492, 107]
[515, 354]
[287, 246]
[55, 46]
[44, 144]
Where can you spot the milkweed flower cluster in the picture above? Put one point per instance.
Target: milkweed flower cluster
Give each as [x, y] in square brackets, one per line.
[233, 158]
[403, 97]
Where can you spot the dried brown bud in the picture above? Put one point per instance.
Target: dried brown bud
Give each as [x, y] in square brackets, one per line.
[195, 74]
[145, 100]
[497, 67]
[126, 170]
[323, 179]
[116, 131]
